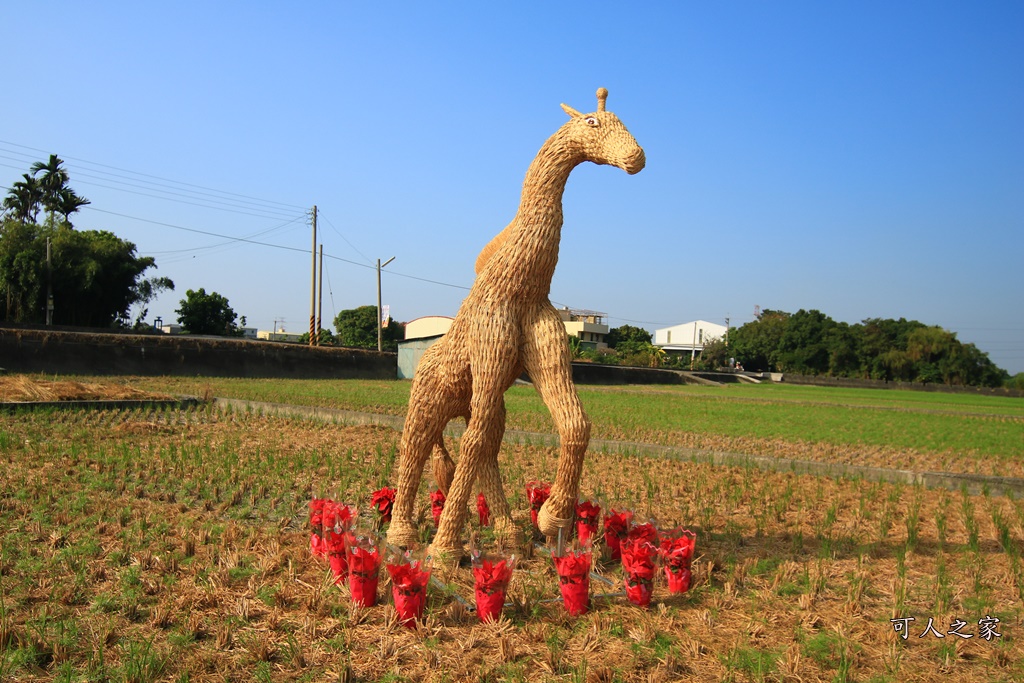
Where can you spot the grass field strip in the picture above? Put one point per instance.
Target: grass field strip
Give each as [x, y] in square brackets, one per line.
[973, 483]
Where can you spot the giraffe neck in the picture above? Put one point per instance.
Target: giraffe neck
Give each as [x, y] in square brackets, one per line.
[531, 251]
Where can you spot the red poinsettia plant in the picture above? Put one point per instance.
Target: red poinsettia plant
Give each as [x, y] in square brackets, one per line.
[364, 571]
[483, 510]
[437, 500]
[676, 555]
[491, 581]
[573, 570]
[587, 514]
[536, 493]
[616, 526]
[327, 519]
[382, 500]
[638, 558]
[409, 579]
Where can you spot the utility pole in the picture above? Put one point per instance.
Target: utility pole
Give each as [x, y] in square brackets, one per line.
[380, 342]
[320, 296]
[49, 285]
[312, 288]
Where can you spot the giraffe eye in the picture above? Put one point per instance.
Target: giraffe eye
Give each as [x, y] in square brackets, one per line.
[591, 121]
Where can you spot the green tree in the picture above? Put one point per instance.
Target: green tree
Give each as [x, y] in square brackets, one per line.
[756, 344]
[358, 327]
[803, 348]
[23, 199]
[626, 333]
[203, 313]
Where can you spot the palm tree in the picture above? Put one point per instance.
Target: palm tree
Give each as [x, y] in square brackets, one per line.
[55, 179]
[68, 203]
[23, 198]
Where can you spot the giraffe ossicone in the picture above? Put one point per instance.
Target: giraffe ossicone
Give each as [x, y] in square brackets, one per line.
[507, 325]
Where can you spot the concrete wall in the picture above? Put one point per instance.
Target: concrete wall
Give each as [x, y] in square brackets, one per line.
[62, 352]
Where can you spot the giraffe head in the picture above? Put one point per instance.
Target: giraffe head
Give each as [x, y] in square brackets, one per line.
[600, 137]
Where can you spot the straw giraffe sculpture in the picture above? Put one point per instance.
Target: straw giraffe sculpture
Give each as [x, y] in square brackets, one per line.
[506, 325]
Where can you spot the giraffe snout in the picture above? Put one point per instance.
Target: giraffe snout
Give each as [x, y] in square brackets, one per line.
[636, 162]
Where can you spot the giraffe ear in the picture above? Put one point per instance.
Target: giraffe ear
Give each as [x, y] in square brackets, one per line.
[571, 112]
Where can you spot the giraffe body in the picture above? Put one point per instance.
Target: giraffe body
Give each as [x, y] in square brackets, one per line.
[506, 325]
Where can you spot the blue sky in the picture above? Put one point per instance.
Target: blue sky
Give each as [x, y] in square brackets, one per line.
[864, 159]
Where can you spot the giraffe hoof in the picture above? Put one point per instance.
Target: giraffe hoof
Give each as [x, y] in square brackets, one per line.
[444, 558]
[549, 524]
[506, 533]
[402, 535]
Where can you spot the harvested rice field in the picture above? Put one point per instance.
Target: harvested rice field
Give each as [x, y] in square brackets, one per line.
[174, 545]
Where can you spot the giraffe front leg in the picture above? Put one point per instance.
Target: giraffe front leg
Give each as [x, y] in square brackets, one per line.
[548, 361]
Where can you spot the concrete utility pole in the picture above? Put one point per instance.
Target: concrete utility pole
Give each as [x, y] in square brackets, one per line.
[380, 342]
[49, 285]
[312, 288]
[320, 296]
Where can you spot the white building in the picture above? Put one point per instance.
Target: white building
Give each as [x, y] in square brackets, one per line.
[689, 337]
[428, 326]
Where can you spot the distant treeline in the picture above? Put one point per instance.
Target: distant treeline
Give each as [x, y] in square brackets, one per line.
[811, 343]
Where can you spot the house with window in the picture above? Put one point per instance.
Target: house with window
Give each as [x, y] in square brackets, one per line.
[689, 337]
[587, 326]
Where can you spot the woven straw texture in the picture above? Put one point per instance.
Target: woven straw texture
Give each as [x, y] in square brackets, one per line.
[507, 325]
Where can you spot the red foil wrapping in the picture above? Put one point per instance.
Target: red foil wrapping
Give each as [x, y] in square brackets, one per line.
[409, 589]
[574, 581]
[437, 499]
[491, 582]
[587, 514]
[616, 526]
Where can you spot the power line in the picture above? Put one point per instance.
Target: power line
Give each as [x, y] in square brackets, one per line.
[147, 175]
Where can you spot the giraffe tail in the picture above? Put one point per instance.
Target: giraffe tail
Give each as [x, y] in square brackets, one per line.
[443, 466]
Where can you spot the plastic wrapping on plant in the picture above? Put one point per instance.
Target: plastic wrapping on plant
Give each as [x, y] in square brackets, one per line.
[437, 500]
[364, 572]
[679, 580]
[638, 569]
[491, 579]
[573, 569]
[409, 579]
[587, 514]
[316, 510]
[382, 500]
[536, 493]
[676, 548]
[483, 510]
[616, 526]
[676, 552]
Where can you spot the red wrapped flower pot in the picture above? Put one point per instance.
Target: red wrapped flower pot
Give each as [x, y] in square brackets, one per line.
[409, 590]
[644, 532]
[573, 570]
[678, 579]
[483, 510]
[437, 499]
[326, 517]
[638, 557]
[616, 526]
[537, 492]
[382, 500]
[587, 513]
[336, 554]
[363, 573]
[676, 554]
[491, 582]
[316, 523]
